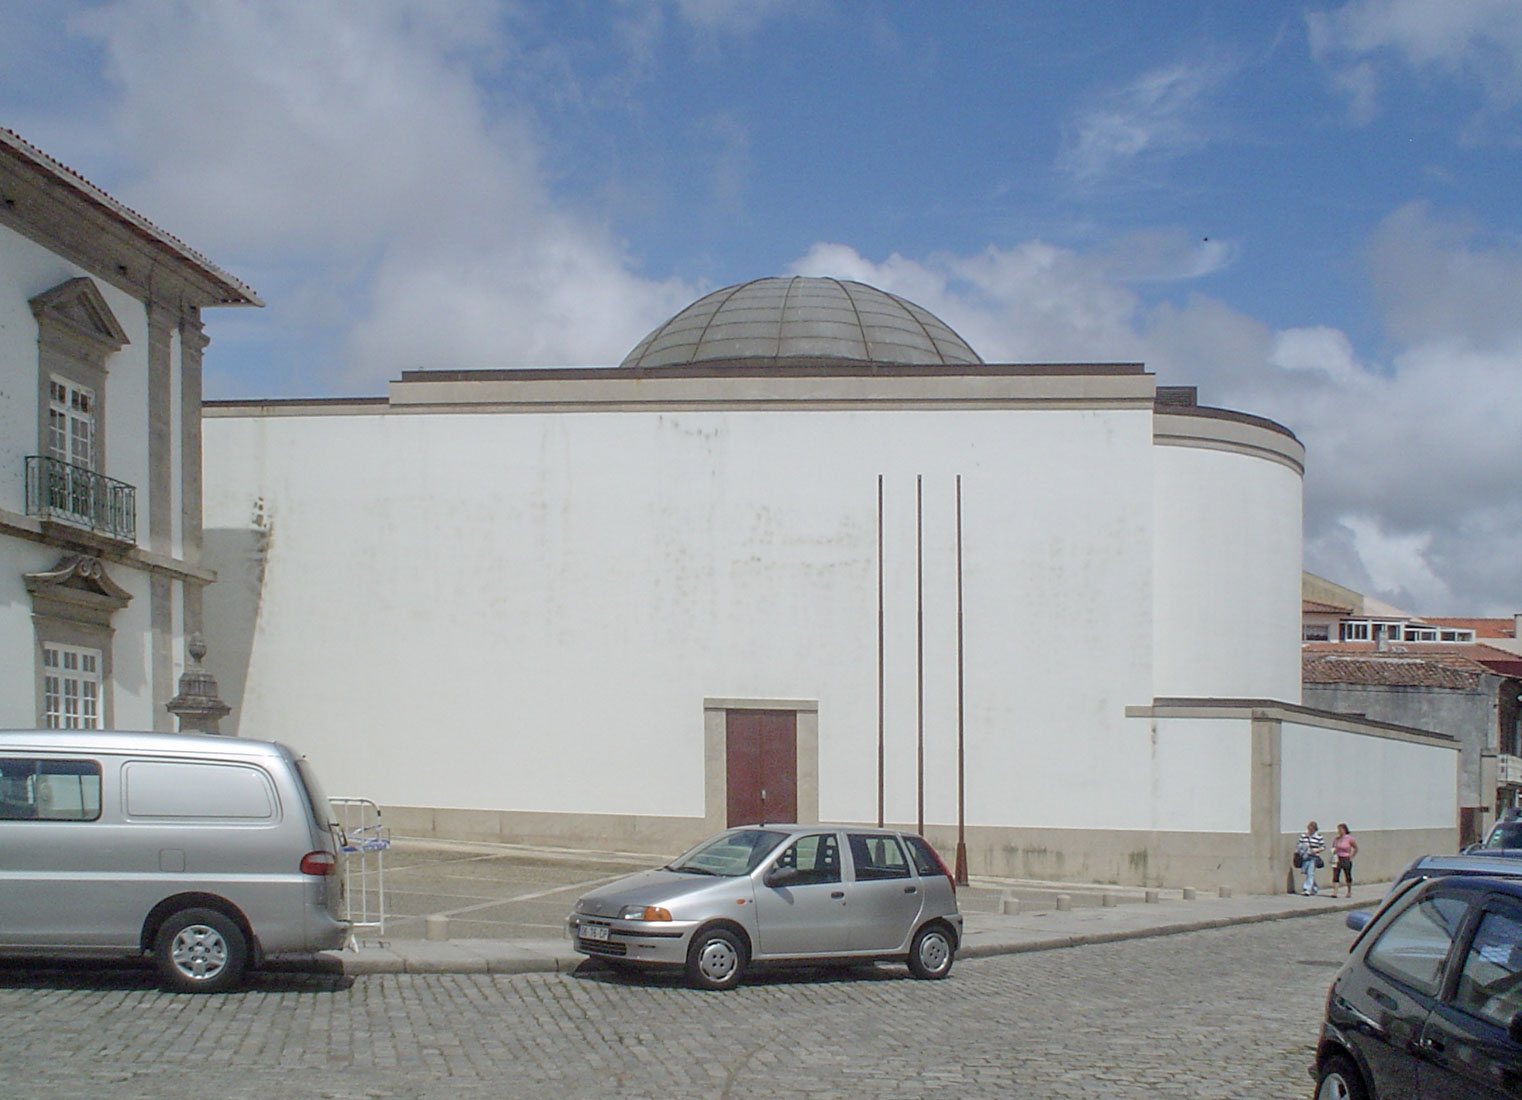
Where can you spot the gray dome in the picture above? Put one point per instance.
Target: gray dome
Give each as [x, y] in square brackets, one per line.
[799, 319]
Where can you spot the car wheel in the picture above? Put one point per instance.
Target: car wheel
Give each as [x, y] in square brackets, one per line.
[715, 960]
[1339, 1079]
[932, 952]
[200, 951]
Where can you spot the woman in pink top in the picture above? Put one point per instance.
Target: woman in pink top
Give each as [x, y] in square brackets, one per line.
[1344, 848]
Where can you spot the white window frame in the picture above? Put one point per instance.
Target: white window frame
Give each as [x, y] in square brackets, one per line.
[72, 427]
[72, 686]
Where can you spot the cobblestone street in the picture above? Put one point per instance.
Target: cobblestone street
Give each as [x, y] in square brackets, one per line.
[1223, 1013]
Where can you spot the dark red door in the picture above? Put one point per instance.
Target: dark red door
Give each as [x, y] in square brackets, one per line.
[761, 747]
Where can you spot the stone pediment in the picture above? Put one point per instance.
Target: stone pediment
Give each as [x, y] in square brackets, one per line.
[78, 581]
[78, 308]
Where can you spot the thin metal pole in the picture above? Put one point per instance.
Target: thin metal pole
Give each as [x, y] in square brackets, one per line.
[880, 706]
[961, 870]
[919, 565]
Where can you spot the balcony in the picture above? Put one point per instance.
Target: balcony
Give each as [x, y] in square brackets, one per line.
[64, 493]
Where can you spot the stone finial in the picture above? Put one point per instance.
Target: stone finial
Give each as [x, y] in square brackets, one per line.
[197, 706]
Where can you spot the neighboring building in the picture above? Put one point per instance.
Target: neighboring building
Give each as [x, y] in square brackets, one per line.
[1459, 676]
[801, 555]
[100, 450]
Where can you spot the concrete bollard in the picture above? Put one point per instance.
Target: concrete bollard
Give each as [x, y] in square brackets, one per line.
[436, 928]
[1107, 900]
[1010, 907]
[1152, 897]
[1226, 891]
[1064, 902]
[1189, 893]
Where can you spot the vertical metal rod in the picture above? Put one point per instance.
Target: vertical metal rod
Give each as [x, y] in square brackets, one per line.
[919, 566]
[880, 707]
[961, 869]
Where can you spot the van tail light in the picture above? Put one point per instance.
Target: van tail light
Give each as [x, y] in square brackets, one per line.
[319, 863]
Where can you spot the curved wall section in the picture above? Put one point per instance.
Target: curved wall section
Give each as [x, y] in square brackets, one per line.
[1227, 559]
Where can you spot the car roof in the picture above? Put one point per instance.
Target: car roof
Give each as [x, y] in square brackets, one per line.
[1475, 884]
[1502, 862]
[822, 827]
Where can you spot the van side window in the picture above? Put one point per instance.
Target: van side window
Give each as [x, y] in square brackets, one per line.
[49, 790]
[188, 789]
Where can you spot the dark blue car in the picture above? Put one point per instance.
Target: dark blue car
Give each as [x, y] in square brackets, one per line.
[1429, 1003]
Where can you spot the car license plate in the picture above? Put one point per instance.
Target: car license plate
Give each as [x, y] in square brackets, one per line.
[594, 931]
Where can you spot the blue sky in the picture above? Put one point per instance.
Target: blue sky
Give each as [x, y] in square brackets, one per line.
[1310, 212]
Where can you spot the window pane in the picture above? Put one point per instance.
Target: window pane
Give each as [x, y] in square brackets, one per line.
[814, 858]
[877, 857]
[49, 790]
[1491, 983]
[1413, 948]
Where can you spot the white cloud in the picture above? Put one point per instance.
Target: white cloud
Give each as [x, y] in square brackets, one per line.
[1411, 464]
[1475, 40]
[352, 155]
[1162, 113]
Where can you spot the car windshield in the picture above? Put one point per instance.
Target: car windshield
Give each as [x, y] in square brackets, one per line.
[736, 853]
[1508, 834]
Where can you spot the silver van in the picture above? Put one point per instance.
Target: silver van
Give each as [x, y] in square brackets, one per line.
[207, 853]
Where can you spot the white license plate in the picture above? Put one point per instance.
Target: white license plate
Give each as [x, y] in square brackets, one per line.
[594, 931]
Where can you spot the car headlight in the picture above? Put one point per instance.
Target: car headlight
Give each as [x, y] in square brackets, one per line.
[644, 912]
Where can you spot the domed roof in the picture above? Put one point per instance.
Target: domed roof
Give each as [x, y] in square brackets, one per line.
[799, 319]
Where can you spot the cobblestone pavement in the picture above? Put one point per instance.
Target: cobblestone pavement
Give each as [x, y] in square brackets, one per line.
[1223, 1013]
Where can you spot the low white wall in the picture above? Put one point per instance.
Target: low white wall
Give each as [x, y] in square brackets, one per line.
[1372, 783]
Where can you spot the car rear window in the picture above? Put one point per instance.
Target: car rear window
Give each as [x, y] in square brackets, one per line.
[926, 862]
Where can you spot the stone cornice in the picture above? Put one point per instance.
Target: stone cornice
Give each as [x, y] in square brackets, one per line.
[65, 213]
[33, 530]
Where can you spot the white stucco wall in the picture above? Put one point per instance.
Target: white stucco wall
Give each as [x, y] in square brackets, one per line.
[1371, 783]
[1201, 775]
[1228, 544]
[527, 610]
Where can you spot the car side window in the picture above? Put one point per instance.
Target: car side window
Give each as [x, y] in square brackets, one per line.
[815, 858]
[1490, 985]
[49, 790]
[877, 857]
[1412, 949]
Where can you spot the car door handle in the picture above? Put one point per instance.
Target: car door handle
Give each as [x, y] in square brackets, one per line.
[1382, 999]
[911, 889]
[836, 895]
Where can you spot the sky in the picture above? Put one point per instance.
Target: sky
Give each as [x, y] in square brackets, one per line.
[1310, 212]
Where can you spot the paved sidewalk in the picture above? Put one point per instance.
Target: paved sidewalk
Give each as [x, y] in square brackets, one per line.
[499, 909]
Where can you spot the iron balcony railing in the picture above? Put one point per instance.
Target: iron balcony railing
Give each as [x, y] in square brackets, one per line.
[59, 490]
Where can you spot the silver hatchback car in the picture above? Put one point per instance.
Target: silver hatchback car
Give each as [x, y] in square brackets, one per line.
[778, 893]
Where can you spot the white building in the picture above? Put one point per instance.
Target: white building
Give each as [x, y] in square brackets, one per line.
[100, 450]
[802, 555]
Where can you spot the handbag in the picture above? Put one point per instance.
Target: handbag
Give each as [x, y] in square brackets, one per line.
[1320, 862]
[1299, 860]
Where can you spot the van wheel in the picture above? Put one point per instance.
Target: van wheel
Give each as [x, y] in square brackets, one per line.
[199, 951]
[715, 960]
[932, 952]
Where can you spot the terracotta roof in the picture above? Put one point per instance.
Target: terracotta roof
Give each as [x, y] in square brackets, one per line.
[1484, 657]
[232, 291]
[1389, 669]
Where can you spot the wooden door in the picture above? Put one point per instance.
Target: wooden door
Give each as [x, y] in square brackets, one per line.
[761, 752]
